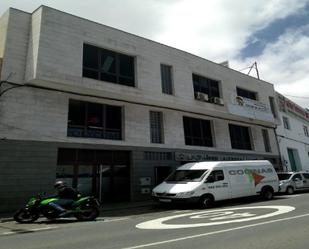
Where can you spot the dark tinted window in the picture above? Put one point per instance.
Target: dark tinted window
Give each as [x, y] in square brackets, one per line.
[106, 65]
[91, 57]
[166, 79]
[75, 110]
[240, 137]
[217, 175]
[205, 85]
[186, 176]
[156, 127]
[286, 123]
[266, 140]
[197, 132]
[297, 176]
[246, 93]
[94, 120]
[306, 175]
[126, 66]
[284, 176]
[113, 117]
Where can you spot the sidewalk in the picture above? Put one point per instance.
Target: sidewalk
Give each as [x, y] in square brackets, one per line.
[108, 209]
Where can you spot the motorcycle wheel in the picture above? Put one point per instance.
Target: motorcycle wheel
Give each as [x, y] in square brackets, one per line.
[25, 216]
[90, 213]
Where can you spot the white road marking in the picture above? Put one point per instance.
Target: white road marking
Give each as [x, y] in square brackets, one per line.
[291, 196]
[8, 233]
[43, 228]
[215, 232]
[182, 211]
[118, 219]
[225, 217]
[30, 230]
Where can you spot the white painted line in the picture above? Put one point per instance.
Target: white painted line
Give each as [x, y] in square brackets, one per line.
[31, 230]
[119, 219]
[8, 233]
[292, 196]
[182, 211]
[42, 229]
[214, 232]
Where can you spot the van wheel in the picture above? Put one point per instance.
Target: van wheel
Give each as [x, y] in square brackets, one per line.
[289, 190]
[206, 201]
[267, 193]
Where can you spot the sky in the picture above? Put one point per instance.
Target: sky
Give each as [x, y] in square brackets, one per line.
[272, 33]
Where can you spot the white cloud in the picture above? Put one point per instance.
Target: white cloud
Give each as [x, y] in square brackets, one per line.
[285, 64]
[214, 29]
[218, 30]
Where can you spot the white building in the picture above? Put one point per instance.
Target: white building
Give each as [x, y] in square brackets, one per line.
[112, 112]
[293, 135]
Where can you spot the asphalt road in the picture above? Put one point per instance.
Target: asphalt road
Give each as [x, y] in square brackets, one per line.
[248, 223]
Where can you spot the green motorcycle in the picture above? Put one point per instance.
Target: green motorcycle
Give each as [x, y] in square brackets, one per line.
[83, 208]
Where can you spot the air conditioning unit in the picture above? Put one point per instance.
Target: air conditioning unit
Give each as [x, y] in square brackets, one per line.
[201, 96]
[218, 101]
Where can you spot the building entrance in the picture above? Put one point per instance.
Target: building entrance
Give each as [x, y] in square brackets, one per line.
[104, 174]
[294, 159]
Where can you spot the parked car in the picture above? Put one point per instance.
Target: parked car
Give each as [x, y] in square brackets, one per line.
[207, 182]
[293, 181]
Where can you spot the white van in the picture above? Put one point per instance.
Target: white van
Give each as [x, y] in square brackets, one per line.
[206, 182]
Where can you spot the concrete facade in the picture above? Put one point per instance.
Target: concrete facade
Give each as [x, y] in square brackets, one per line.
[43, 59]
[292, 137]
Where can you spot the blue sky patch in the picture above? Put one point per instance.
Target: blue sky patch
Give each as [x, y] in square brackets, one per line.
[259, 40]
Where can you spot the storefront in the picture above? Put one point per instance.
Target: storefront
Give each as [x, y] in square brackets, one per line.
[105, 174]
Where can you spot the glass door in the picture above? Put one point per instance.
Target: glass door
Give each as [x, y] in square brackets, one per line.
[120, 182]
[104, 183]
[85, 180]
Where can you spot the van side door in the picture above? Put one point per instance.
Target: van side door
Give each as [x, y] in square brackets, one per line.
[217, 184]
[241, 182]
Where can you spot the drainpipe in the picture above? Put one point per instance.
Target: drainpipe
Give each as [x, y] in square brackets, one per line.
[280, 156]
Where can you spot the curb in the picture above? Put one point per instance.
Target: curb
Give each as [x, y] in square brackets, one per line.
[3, 220]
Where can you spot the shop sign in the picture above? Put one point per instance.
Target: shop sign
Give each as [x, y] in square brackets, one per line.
[287, 105]
[197, 157]
[250, 108]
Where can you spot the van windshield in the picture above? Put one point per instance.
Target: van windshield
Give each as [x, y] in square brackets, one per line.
[186, 176]
[284, 176]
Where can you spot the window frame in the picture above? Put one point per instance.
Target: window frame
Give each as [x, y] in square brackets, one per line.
[273, 108]
[89, 130]
[208, 87]
[156, 129]
[286, 123]
[167, 83]
[240, 92]
[120, 79]
[239, 144]
[306, 131]
[191, 138]
[215, 174]
[266, 140]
